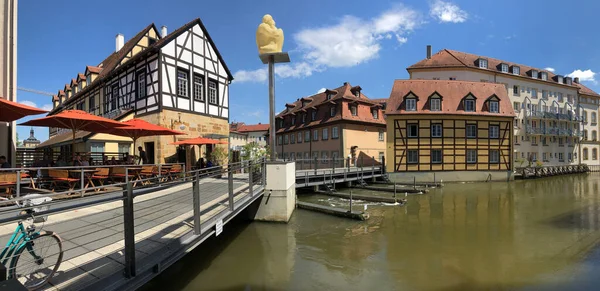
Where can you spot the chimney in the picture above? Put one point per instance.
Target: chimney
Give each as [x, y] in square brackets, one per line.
[163, 31]
[120, 40]
[428, 51]
[345, 83]
[576, 80]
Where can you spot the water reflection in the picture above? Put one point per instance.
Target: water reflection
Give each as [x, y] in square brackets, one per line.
[461, 237]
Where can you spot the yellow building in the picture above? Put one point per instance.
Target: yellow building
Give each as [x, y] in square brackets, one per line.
[177, 80]
[450, 130]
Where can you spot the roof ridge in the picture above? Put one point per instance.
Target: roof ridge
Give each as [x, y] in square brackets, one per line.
[449, 52]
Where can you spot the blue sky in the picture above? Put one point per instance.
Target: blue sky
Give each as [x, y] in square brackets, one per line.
[366, 43]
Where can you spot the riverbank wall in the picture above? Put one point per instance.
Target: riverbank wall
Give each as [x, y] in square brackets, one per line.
[450, 176]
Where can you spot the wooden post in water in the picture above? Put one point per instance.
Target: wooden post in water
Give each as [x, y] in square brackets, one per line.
[395, 192]
[350, 199]
[415, 182]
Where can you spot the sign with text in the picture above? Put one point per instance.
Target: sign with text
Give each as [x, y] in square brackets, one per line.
[219, 227]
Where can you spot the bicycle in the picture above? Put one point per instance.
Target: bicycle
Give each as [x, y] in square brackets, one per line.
[34, 267]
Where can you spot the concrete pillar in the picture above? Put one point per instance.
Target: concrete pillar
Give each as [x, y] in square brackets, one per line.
[8, 74]
[279, 201]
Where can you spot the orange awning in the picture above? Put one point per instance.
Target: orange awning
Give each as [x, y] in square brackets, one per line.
[198, 141]
[11, 111]
[136, 128]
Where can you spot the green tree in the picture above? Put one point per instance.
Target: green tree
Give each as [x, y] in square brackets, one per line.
[19, 143]
[217, 156]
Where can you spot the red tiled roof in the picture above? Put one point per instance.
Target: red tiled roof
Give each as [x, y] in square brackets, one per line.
[80, 76]
[253, 127]
[67, 87]
[452, 93]
[93, 69]
[585, 90]
[454, 59]
[321, 104]
[380, 100]
[54, 98]
[73, 81]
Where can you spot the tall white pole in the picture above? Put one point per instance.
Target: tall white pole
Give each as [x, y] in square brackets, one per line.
[272, 107]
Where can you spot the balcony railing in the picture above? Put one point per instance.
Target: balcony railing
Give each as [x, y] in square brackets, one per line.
[552, 115]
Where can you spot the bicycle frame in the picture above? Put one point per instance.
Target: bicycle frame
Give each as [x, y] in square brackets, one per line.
[16, 242]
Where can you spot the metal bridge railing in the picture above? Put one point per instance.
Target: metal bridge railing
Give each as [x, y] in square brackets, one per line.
[135, 222]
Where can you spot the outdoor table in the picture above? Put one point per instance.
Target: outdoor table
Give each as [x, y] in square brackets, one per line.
[87, 174]
[136, 172]
[166, 172]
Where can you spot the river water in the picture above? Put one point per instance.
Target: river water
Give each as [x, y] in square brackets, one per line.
[523, 235]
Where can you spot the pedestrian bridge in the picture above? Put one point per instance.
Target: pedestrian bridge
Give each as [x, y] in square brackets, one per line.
[120, 239]
[332, 171]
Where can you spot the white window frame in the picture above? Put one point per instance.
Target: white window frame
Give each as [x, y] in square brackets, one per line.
[381, 135]
[313, 115]
[354, 110]
[544, 76]
[534, 74]
[483, 63]
[504, 68]
[471, 156]
[472, 102]
[411, 104]
[182, 83]
[473, 131]
[494, 131]
[494, 106]
[307, 136]
[198, 88]
[334, 132]
[212, 92]
[316, 135]
[494, 156]
[435, 156]
[516, 70]
[435, 104]
[325, 134]
[375, 113]
[412, 156]
[436, 130]
[141, 83]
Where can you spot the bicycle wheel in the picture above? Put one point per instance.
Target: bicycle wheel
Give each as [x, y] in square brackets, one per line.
[34, 264]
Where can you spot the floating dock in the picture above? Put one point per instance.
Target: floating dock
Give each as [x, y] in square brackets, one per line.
[369, 198]
[357, 215]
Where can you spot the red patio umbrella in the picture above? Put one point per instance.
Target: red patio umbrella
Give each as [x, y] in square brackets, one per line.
[136, 128]
[11, 111]
[76, 120]
[198, 141]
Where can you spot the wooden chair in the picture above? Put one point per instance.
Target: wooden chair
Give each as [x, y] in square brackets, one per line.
[101, 175]
[61, 177]
[120, 173]
[148, 172]
[8, 181]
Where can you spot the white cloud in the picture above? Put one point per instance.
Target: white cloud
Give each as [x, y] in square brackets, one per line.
[509, 37]
[349, 42]
[321, 90]
[447, 12]
[586, 75]
[550, 69]
[28, 103]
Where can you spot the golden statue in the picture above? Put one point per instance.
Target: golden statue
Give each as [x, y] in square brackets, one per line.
[269, 38]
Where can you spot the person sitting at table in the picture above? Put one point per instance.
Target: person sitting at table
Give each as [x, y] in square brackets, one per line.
[91, 161]
[77, 161]
[4, 163]
[113, 161]
[105, 160]
[60, 162]
[209, 164]
[84, 161]
[200, 164]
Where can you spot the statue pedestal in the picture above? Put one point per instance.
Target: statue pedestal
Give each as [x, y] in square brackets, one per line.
[279, 199]
[276, 57]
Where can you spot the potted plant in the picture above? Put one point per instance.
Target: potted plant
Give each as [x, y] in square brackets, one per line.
[217, 157]
[254, 153]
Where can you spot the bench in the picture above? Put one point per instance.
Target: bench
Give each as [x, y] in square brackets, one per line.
[58, 177]
[8, 181]
[101, 175]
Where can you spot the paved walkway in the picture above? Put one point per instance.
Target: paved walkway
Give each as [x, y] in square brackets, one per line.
[93, 236]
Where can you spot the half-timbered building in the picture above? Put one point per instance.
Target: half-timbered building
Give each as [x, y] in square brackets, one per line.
[177, 80]
[459, 130]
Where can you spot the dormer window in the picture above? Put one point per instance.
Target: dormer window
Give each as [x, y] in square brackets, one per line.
[304, 118]
[375, 113]
[281, 123]
[516, 70]
[294, 120]
[357, 94]
[353, 110]
[329, 96]
[569, 81]
[504, 68]
[493, 105]
[544, 76]
[332, 111]
[435, 104]
[411, 104]
[483, 63]
[559, 79]
[469, 103]
[534, 74]
[314, 115]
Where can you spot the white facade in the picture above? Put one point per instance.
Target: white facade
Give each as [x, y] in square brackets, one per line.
[538, 134]
[190, 58]
[237, 140]
[8, 73]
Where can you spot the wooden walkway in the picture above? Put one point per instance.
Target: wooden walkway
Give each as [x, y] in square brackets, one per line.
[93, 237]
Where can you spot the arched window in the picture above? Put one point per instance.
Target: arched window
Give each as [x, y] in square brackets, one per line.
[594, 154]
[594, 135]
[593, 117]
[585, 116]
[585, 134]
[585, 154]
